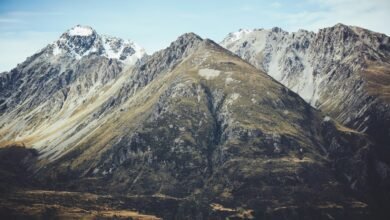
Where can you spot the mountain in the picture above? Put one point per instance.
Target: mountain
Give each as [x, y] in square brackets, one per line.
[341, 70]
[194, 127]
[191, 131]
[43, 96]
[82, 41]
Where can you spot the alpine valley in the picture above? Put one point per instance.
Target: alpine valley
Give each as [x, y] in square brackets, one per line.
[265, 125]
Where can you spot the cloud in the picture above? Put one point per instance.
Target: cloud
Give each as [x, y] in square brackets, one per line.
[372, 14]
[32, 13]
[246, 8]
[276, 5]
[26, 20]
[9, 21]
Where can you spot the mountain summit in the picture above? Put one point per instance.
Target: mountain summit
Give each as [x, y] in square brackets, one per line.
[80, 30]
[81, 41]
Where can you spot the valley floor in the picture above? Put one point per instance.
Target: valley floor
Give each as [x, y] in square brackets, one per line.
[41, 204]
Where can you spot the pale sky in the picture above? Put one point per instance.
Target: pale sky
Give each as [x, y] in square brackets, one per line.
[26, 26]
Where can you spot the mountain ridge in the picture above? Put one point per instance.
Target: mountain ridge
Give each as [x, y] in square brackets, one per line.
[194, 127]
[341, 70]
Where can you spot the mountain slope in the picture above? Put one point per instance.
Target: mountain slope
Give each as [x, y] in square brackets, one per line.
[42, 98]
[199, 130]
[194, 121]
[324, 67]
[341, 70]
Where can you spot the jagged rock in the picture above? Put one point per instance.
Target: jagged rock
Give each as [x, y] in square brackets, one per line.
[341, 70]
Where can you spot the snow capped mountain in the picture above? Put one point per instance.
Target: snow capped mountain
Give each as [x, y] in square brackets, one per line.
[190, 121]
[81, 31]
[44, 92]
[194, 128]
[82, 41]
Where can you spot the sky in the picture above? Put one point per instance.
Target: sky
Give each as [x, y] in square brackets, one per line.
[26, 26]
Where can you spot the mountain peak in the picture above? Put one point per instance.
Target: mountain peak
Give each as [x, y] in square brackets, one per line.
[80, 30]
[277, 29]
[340, 25]
[234, 36]
[82, 40]
[189, 37]
[185, 42]
[251, 34]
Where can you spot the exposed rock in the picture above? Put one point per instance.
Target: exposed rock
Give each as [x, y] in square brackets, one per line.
[341, 70]
[162, 129]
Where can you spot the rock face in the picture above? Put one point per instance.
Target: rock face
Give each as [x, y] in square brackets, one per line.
[81, 41]
[325, 68]
[342, 70]
[51, 87]
[192, 123]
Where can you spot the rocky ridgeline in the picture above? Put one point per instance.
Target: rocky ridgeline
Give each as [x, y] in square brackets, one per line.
[193, 125]
[341, 70]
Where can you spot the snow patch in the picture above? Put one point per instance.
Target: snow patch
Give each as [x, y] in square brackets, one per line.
[115, 48]
[80, 31]
[124, 51]
[209, 73]
[238, 35]
[56, 50]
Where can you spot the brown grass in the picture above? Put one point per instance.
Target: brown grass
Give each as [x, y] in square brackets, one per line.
[378, 80]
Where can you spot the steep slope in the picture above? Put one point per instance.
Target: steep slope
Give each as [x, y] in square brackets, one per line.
[43, 97]
[197, 124]
[341, 70]
[324, 68]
